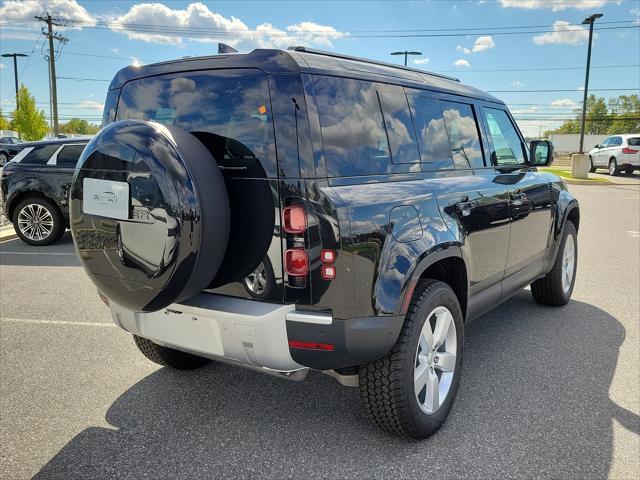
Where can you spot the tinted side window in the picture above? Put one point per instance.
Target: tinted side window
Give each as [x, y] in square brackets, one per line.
[432, 133]
[506, 148]
[397, 119]
[463, 135]
[633, 141]
[69, 155]
[41, 154]
[228, 110]
[616, 141]
[353, 131]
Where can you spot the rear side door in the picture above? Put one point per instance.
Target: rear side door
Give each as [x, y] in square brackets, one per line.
[473, 204]
[531, 199]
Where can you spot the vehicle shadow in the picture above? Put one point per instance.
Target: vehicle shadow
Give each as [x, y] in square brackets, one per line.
[60, 254]
[533, 402]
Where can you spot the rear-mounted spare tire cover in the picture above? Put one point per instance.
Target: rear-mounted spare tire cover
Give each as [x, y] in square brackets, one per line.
[149, 214]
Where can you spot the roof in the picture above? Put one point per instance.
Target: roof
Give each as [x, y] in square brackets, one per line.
[56, 141]
[305, 60]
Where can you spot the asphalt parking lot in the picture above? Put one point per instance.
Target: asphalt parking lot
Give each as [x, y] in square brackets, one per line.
[545, 393]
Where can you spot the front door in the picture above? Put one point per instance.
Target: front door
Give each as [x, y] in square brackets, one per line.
[530, 200]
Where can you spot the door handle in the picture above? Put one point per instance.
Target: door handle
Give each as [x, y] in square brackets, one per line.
[465, 207]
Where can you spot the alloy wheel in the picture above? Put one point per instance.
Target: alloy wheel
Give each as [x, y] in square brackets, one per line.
[35, 222]
[256, 281]
[568, 262]
[435, 360]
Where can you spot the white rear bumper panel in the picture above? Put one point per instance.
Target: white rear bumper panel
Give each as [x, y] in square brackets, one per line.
[245, 331]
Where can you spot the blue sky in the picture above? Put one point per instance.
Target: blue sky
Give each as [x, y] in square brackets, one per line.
[101, 41]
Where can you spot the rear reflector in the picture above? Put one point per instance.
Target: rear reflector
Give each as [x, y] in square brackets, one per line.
[327, 347]
[629, 151]
[295, 262]
[328, 272]
[294, 219]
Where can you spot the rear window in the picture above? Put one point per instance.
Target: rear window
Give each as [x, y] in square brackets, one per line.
[40, 154]
[633, 141]
[228, 110]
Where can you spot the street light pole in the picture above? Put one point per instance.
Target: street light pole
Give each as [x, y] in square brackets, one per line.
[587, 21]
[15, 69]
[406, 53]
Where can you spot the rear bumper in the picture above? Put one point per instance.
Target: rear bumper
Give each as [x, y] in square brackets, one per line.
[257, 334]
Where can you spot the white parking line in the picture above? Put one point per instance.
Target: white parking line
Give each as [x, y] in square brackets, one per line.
[37, 253]
[56, 322]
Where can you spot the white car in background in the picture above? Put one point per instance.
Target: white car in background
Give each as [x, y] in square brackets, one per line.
[617, 153]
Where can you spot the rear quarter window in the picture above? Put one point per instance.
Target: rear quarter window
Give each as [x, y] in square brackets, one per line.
[228, 110]
[353, 130]
[40, 154]
[633, 141]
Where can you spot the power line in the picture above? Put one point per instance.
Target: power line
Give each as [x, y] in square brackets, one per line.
[566, 90]
[84, 79]
[534, 69]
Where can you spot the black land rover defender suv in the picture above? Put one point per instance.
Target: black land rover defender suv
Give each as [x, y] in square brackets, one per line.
[381, 207]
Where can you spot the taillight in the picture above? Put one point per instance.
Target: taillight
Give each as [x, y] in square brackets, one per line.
[296, 262]
[294, 219]
[628, 150]
[327, 256]
[327, 270]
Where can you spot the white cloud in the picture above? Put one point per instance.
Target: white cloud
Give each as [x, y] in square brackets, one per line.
[557, 5]
[25, 10]
[519, 111]
[464, 50]
[2, 65]
[421, 61]
[115, 50]
[202, 22]
[563, 33]
[581, 88]
[516, 83]
[91, 105]
[135, 62]
[563, 102]
[462, 63]
[534, 128]
[483, 43]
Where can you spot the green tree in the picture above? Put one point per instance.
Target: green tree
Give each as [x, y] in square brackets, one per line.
[77, 125]
[4, 123]
[27, 119]
[618, 115]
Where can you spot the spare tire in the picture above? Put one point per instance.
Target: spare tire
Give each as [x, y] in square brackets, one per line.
[149, 214]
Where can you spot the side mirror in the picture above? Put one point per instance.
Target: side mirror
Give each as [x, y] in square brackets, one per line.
[597, 145]
[540, 153]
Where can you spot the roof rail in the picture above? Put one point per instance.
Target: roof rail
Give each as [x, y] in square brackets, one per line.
[366, 60]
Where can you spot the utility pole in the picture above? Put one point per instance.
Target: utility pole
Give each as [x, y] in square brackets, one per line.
[15, 70]
[406, 54]
[587, 21]
[52, 65]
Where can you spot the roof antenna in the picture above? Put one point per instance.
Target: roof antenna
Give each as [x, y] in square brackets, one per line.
[224, 48]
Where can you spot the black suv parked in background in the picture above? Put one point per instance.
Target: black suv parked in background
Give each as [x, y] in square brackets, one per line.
[35, 188]
[393, 206]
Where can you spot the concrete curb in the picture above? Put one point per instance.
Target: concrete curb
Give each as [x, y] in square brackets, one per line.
[7, 233]
[571, 181]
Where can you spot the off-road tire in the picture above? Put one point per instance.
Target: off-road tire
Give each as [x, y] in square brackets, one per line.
[548, 290]
[386, 385]
[168, 357]
[58, 221]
